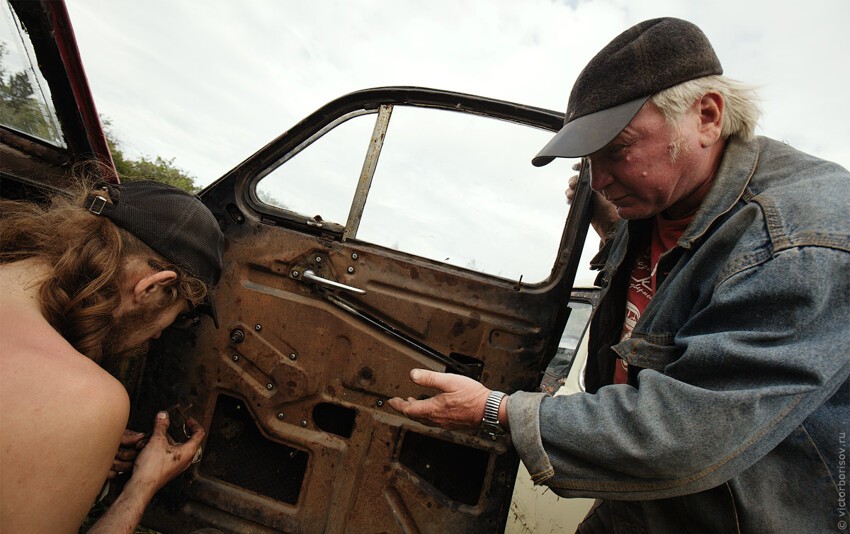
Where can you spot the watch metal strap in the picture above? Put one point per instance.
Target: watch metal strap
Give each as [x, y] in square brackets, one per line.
[491, 407]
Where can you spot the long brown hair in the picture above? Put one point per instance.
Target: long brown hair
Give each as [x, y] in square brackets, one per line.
[89, 255]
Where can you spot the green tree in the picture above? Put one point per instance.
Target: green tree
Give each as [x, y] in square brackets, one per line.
[20, 108]
[157, 169]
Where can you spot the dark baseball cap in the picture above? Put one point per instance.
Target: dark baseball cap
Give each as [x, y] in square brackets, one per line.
[172, 222]
[643, 60]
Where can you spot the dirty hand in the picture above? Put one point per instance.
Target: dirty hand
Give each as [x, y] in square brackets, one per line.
[459, 405]
[131, 443]
[161, 459]
[604, 214]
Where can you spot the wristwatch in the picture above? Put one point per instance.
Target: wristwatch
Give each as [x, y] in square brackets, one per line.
[490, 424]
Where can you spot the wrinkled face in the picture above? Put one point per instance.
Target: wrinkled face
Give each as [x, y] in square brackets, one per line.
[135, 328]
[636, 171]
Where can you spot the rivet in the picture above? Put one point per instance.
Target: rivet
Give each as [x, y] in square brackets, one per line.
[280, 416]
[258, 327]
[269, 386]
[350, 270]
[354, 256]
[293, 356]
[303, 422]
[235, 357]
[295, 274]
[380, 403]
[318, 259]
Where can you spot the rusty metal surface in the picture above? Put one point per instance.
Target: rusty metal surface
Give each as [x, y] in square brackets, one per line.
[313, 381]
[376, 143]
[293, 387]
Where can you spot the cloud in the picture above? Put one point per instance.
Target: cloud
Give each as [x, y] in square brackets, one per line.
[210, 82]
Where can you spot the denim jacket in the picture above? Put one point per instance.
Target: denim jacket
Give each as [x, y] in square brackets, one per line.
[738, 407]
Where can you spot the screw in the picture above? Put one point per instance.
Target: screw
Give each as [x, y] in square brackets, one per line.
[380, 403]
[280, 416]
[295, 274]
[354, 256]
[258, 327]
[350, 270]
[237, 336]
[235, 357]
[303, 422]
[269, 386]
[318, 259]
[293, 356]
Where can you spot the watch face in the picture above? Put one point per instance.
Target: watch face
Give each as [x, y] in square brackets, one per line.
[494, 430]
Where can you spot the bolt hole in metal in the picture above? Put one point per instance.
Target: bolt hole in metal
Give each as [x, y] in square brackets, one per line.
[335, 419]
[366, 377]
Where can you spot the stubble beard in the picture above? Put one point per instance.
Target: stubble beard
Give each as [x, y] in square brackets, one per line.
[124, 326]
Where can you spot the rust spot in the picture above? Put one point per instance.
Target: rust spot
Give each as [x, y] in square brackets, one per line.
[458, 328]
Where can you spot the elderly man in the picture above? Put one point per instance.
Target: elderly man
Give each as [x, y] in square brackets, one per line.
[90, 279]
[717, 382]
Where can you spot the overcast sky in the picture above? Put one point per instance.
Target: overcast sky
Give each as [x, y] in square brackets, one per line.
[208, 82]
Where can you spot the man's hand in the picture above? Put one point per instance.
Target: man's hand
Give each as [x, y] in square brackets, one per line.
[162, 459]
[131, 443]
[459, 405]
[603, 214]
[158, 462]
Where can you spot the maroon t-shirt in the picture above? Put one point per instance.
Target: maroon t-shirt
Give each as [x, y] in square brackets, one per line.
[665, 234]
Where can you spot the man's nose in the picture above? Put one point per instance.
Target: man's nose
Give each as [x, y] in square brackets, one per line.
[600, 176]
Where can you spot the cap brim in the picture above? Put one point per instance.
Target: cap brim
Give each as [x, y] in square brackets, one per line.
[585, 135]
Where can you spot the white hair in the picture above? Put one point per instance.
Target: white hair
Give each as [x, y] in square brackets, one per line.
[740, 111]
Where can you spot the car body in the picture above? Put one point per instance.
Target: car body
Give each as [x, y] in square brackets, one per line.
[462, 260]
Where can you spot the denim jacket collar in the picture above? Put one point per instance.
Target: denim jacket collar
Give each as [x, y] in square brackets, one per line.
[730, 185]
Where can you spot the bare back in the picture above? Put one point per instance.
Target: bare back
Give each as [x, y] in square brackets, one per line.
[61, 418]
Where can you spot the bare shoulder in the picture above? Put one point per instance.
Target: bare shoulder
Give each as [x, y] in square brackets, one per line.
[62, 417]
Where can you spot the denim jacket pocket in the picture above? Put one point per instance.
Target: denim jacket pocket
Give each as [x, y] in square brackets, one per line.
[649, 352]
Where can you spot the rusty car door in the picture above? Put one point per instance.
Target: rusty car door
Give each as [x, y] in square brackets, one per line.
[323, 311]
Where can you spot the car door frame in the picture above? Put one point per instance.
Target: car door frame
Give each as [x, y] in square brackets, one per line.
[253, 230]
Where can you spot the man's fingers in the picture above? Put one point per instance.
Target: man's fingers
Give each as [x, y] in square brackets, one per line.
[423, 377]
[442, 381]
[197, 431]
[415, 409]
[126, 455]
[130, 437]
[120, 467]
[160, 424]
[397, 404]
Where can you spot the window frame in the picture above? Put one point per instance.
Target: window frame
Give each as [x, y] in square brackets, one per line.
[370, 101]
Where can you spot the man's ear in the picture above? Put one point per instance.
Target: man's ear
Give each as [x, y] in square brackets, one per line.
[710, 108]
[148, 285]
